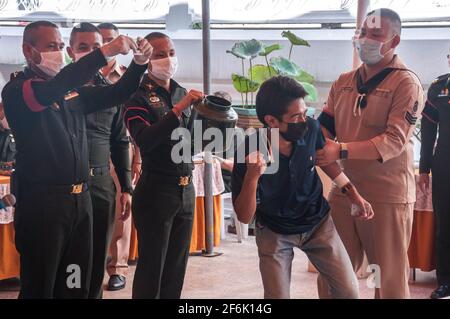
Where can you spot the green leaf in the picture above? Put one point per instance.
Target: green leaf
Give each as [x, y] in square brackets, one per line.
[243, 84]
[305, 77]
[269, 49]
[247, 49]
[312, 92]
[285, 67]
[236, 54]
[295, 40]
[260, 73]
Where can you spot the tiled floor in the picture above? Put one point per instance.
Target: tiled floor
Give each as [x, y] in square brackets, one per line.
[235, 275]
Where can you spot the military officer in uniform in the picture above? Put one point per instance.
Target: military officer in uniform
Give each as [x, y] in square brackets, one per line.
[163, 204]
[107, 138]
[436, 116]
[372, 112]
[46, 106]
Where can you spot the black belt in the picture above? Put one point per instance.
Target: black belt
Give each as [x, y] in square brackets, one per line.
[178, 180]
[99, 171]
[68, 189]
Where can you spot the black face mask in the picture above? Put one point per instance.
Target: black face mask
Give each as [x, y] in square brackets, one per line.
[295, 131]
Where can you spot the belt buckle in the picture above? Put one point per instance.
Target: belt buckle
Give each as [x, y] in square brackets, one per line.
[184, 181]
[91, 172]
[77, 189]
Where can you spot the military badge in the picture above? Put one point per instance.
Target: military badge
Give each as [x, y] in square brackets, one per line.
[154, 99]
[70, 95]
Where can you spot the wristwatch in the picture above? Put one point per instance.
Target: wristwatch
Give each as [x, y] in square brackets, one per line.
[347, 187]
[343, 153]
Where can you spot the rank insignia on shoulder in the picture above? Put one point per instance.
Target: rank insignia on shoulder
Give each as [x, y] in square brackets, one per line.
[70, 95]
[411, 117]
[16, 75]
[154, 99]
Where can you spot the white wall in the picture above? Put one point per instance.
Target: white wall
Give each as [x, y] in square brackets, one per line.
[423, 50]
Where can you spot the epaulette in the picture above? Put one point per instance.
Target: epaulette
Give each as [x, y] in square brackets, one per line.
[444, 77]
[17, 75]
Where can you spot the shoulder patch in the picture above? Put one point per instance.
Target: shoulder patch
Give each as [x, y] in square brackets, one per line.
[441, 78]
[411, 116]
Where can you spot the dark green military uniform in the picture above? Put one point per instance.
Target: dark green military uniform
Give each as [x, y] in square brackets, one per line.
[107, 138]
[163, 202]
[437, 115]
[53, 218]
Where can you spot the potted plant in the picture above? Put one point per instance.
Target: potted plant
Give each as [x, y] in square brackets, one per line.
[248, 83]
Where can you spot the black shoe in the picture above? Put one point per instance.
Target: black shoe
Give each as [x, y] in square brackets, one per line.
[441, 292]
[116, 282]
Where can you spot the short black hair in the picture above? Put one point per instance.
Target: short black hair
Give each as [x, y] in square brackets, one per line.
[28, 33]
[83, 27]
[275, 95]
[393, 16]
[107, 26]
[156, 35]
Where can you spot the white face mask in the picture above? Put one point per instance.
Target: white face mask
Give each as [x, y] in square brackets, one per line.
[51, 62]
[164, 69]
[369, 50]
[80, 55]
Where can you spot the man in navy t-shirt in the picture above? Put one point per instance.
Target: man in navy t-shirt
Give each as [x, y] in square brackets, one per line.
[288, 202]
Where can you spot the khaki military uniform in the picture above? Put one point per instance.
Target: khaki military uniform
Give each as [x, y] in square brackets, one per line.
[121, 238]
[114, 73]
[388, 184]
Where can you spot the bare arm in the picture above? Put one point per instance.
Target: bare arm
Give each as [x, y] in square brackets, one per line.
[245, 202]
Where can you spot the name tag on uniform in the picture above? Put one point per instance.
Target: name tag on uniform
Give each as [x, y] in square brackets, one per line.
[346, 89]
[382, 92]
[71, 95]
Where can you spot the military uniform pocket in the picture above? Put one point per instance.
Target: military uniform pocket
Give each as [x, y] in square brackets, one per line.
[377, 111]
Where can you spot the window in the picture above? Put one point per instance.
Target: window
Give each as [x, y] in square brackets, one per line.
[316, 12]
[323, 13]
[145, 11]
